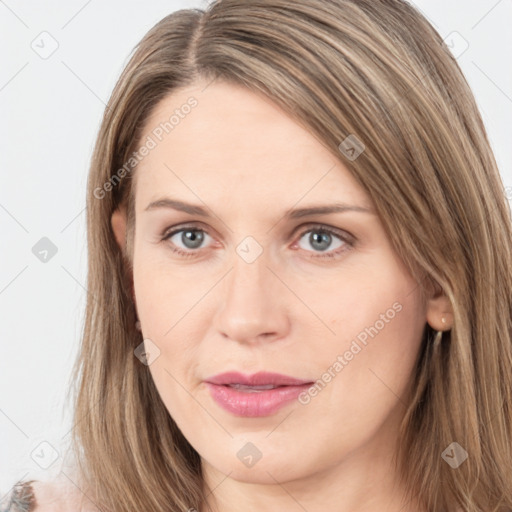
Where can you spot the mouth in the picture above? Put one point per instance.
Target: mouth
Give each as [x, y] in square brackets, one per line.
[260, 380]
[261, 394]
[251, 389]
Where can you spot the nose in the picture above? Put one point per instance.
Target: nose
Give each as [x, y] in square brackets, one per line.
[253, 303]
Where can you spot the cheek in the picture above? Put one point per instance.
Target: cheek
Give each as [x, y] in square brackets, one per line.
[375, 316]
[372, 297]
[367, 366]
[172, 313]
[164, 292]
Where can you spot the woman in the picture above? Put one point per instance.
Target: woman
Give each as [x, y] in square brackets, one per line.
[300, 272]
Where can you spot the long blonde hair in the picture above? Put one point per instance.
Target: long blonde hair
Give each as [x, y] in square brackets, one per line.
[373, 69]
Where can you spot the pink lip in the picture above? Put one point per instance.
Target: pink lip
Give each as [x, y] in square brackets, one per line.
[254, 403]
[257, 379]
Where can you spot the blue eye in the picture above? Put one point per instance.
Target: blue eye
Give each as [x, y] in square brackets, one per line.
[191, 238]
[320, 239]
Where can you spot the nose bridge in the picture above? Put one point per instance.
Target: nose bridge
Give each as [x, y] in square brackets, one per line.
[252, 303]
[249, 278]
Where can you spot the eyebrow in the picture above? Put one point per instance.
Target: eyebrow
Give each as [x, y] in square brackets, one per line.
[289, 214]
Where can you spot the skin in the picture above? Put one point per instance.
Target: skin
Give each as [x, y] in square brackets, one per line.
[289, 311]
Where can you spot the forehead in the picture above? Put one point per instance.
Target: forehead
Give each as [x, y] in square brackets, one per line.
[222, 140]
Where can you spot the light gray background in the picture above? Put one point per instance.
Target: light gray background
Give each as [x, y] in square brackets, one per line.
[50, 113]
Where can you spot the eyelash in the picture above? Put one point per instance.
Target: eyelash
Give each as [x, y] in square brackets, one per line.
[346, 239]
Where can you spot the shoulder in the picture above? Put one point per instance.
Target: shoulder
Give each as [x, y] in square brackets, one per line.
[58, 495]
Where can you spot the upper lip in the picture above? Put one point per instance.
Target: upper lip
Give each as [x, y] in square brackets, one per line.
[257, 379]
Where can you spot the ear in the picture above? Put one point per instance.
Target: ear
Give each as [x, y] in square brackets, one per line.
[439, 308]
[118, 221]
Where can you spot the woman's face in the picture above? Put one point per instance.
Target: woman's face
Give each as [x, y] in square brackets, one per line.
[250, 282]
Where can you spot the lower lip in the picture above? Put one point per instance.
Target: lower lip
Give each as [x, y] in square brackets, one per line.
[256, 403]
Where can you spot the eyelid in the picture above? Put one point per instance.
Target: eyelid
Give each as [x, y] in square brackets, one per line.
[344, 235]
[190, 225]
